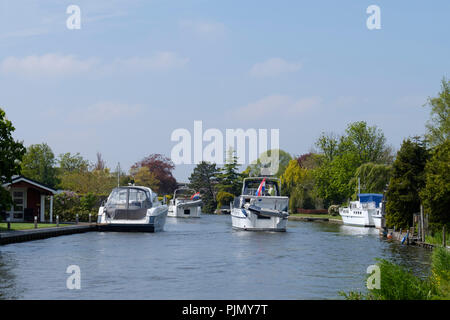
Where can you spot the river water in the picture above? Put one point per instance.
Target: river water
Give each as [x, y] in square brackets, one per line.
[202, 259]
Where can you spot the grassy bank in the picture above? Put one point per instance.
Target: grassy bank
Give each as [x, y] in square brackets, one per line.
[26, 226]
[399, 283]
[325, 216]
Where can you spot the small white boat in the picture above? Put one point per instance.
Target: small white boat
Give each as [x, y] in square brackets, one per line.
[260, 206]
[186, 203]
[132, 209]
[366, 212]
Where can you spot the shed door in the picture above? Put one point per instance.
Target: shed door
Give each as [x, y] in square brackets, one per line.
[19, 197]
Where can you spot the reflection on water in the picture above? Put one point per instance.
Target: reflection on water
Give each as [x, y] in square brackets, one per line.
[202, 259]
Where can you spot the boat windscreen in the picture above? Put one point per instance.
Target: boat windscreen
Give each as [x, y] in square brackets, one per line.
[271, 188]
[184, 193]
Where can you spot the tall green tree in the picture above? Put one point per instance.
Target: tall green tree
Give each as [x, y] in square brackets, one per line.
[230, 180]
[343, 155]
[204, 179]
[438, 127]
[436, 193]
[38, 164]
[407, 180]
[11, 153]
[254, 169]
[72, 162]
[373, 177]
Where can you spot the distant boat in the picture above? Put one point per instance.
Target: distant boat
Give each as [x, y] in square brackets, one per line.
[365, 212]
[260, 206]
[132, 208]
[186, 203]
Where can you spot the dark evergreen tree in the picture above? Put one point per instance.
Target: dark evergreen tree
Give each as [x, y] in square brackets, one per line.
[230, 180]
[204, 179]
[407, 180]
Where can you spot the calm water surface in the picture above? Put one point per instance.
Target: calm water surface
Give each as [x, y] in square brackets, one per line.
[202, 259]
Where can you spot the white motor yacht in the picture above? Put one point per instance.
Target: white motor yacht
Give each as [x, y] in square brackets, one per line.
[186, 203]
[132, 208]
[365, 212]
[260, 206]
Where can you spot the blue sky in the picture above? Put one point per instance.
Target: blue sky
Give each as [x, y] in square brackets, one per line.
[137, 70]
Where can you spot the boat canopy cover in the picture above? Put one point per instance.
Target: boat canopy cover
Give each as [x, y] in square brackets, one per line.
[371, 197]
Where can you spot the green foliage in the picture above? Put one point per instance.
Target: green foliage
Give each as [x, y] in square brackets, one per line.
[439, 125]
[70, 163]
[343, 155]
[441, 271]
[143, 177]
[398, 283]
[83, 182]
[38, 164]
[230, 180]
[11, 153]
[224, 199]
[298, 183]
[407, 179]
[68, 204]
[204, 179]
[374, 178]
[436, 193]
[254, 169]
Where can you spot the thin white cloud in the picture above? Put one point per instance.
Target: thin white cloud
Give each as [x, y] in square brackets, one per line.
[47, 65]
[52, 64]
[273, 67]
[278, 105]
[107, 111]
[203, 28]
[160, 61]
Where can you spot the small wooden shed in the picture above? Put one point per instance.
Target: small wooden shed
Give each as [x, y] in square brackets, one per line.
[29, 199]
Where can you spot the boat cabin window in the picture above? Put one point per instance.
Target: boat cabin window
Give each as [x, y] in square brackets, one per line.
[118, 198]
[271, 188]
[138, 199]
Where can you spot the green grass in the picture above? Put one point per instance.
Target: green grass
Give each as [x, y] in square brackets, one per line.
[26, 226]
[305, 215]
[436, 239]
[399, 283]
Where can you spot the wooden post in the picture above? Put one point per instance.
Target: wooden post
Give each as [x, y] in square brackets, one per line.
[89, 218]
[9, 223]
[35, 222]
[57, 220]
[422, 223]
[76, 219]
[444, 242]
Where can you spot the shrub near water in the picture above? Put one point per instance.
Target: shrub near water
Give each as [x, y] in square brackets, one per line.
[398, 283]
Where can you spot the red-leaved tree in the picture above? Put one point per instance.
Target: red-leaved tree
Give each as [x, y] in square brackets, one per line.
[161, 167]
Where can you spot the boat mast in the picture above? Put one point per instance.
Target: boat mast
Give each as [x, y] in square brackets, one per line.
[118, 174]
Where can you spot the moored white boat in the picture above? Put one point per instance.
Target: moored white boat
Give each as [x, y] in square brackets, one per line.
[260, 206]
[366, 212]
[186, 203]
[132, 208]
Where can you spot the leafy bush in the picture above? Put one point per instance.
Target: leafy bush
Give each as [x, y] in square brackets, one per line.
[68, 204]
[333, 210]
[398, 283]
[224, 199]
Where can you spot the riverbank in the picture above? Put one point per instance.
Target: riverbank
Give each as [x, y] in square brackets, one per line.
[14, 236]
[315, 218]
[17, 226]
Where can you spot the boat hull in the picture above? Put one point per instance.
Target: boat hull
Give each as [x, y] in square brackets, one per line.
[362, 220]
[186, 210]
[250, 221]
[154, 221]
